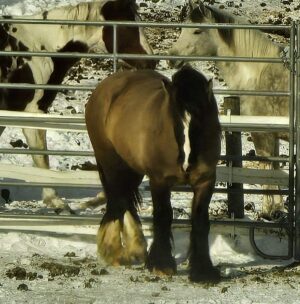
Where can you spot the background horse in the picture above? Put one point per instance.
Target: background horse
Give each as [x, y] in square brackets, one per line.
[242, 75]
[46, 70]
[140, 123]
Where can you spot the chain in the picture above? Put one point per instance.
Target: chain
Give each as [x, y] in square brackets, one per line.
[285, 57]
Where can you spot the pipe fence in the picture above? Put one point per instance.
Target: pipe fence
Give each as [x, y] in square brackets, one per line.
[290, 124]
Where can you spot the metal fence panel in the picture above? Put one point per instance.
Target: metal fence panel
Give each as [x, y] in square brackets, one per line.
[293, 60]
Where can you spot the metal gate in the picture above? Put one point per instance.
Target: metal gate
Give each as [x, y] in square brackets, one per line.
[291, 125]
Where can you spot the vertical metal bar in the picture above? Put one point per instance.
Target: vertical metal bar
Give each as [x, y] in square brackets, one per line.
[297, 102]
[292, 106]
[115, 46]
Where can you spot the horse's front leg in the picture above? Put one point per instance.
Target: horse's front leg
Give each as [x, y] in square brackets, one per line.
[36, 139]
[201, 268]
[267, 145]
[160, 260]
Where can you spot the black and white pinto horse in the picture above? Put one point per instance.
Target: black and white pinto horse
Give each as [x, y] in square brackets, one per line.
[242, 75]
[46, 70]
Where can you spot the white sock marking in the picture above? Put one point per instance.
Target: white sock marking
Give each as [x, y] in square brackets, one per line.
[187, 144]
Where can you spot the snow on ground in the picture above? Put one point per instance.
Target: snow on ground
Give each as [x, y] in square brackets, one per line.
[46, 263]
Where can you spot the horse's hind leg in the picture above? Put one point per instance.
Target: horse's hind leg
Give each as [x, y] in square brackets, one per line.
[267, 145]
[120, 238]
[36, 139]
[201, 268]
[160, 259]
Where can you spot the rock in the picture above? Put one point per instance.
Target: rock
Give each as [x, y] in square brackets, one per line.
[56, 269]
[18, 144]
[23, 287]
[18, 272]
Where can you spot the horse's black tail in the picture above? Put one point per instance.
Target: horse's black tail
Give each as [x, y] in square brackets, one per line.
[138, 200]
[193, 92]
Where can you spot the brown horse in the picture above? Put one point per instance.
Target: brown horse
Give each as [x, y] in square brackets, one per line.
[141, 123]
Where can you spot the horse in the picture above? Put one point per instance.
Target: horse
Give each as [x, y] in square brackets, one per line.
[243, 76]
[141, 123]
[46, 70]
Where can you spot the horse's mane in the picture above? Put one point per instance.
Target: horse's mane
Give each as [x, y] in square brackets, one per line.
[92, 10]
[195, 101]
[187, 84]
[81, 11]
[238, 39]
[197, 15]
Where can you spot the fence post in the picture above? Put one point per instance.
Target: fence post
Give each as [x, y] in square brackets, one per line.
[297, 129]
[234, 148]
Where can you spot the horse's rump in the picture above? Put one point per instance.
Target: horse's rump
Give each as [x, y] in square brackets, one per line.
[138, 102]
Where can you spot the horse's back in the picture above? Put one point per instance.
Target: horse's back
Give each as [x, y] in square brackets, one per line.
[131, 111]
[123, 90]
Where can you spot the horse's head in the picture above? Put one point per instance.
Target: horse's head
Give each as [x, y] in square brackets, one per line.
[130, 40]
[196, 41]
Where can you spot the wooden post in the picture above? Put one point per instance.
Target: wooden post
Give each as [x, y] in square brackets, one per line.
[234, 148]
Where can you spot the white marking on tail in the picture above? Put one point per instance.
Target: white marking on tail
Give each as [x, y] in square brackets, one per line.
[187, 144]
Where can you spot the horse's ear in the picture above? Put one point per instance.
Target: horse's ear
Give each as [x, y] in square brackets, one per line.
[192, 5]
[210, 88]
[127, 3]
[187, 9]
[204, 9]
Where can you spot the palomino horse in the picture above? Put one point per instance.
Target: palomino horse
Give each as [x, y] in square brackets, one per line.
[141, 123]
[242, 75]
[46, 70]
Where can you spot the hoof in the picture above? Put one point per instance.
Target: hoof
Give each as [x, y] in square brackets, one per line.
[211, 275]
[134, 258]
[162, 267]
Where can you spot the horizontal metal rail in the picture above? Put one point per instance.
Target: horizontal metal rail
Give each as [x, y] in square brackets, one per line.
[48, 185]
[249, 127]
[142, 188]
[91, 153]
[77, 122]
[22, 86]
[16, 219]
[254, 158]
[140, 56]
[46, 152]
[23, 20]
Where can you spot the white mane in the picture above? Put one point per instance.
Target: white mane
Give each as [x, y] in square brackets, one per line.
[54, 37]
[83, 11]
[261, 46]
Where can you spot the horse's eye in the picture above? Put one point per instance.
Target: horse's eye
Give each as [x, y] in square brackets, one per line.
[197, 32]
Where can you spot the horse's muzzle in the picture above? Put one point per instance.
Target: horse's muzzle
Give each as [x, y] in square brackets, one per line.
[147, 64]
[142, 64]
[175, 64]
